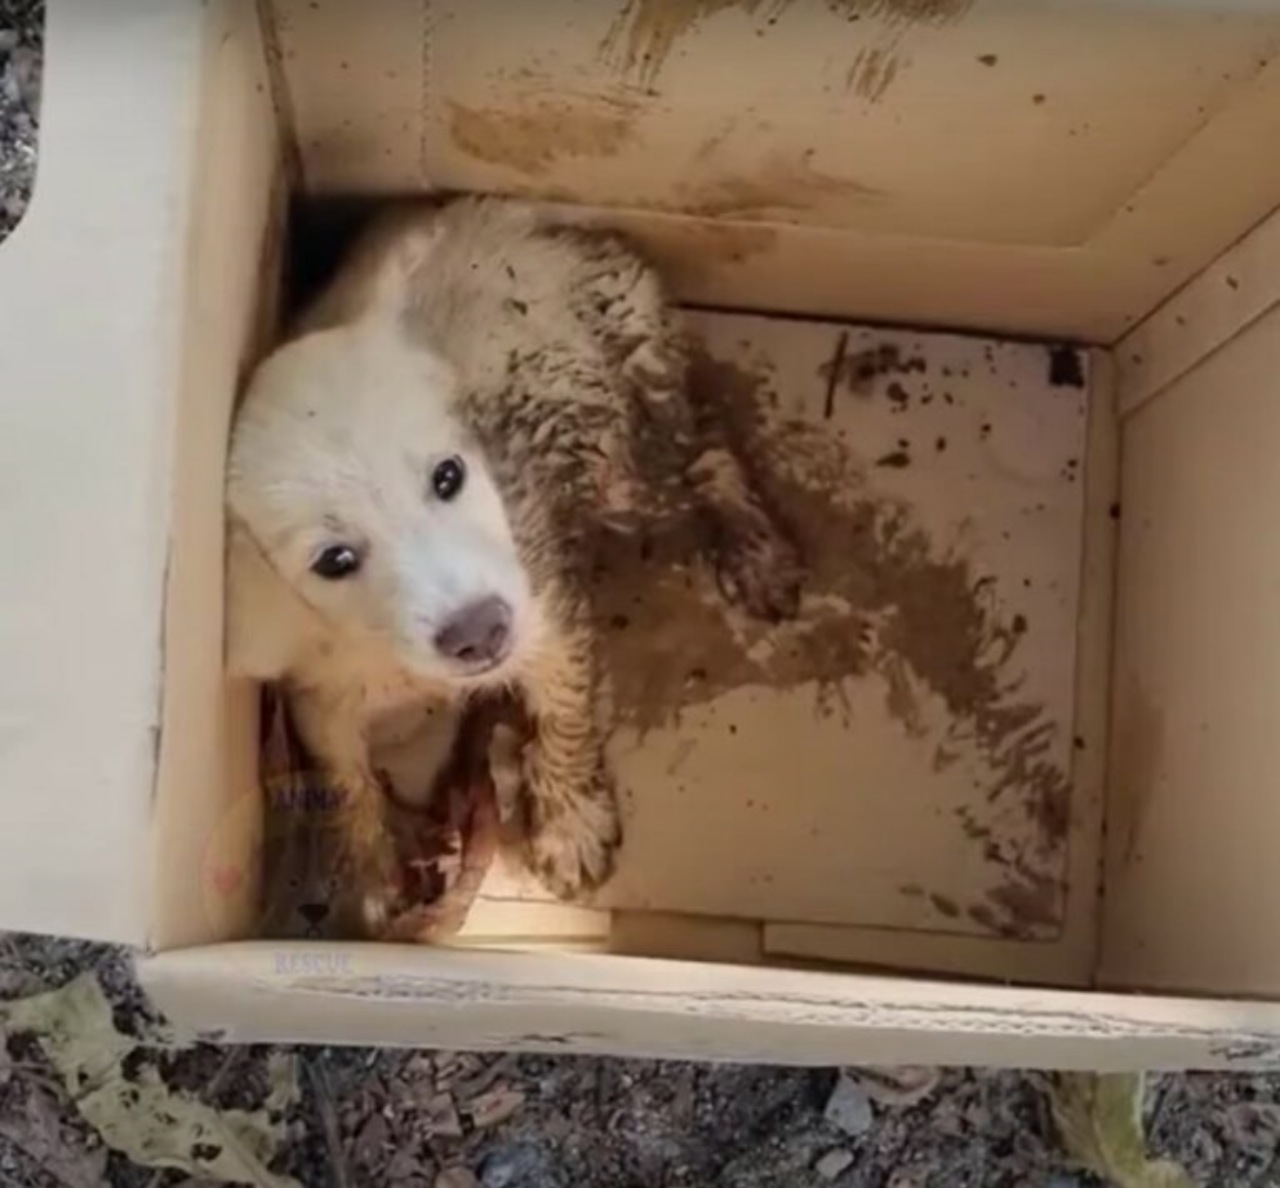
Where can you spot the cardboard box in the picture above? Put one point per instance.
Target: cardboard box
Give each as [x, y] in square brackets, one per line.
[1012, 265]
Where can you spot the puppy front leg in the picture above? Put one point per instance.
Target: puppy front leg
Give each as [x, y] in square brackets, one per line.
[335, 738]
[574, 828]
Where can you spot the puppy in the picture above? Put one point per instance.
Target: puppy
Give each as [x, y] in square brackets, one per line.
[415, 477]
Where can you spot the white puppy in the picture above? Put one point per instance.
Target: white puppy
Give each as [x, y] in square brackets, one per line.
[414, 480]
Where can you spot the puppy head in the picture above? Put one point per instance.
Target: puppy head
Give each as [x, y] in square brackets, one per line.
[360, 507]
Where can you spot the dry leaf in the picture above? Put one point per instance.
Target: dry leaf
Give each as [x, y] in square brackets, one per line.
[405, 1166]
[476, 1077]
[494, 1107]
[1099, 1119]
[139, 1115]
[441, 1117]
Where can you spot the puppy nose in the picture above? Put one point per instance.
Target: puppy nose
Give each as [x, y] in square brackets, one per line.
[478, 635]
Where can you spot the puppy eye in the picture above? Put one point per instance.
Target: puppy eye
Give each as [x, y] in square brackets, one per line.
[448, 478]
[337, 561]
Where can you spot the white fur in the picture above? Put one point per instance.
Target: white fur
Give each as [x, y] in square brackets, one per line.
[336, 443]
[443, 322]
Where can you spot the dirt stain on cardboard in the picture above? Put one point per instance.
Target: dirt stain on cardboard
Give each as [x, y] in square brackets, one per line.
[874, 70]
[1026, 903]
[542, 128]
[782, 186]
[858, 373]
[881, 597]
[690, 253]
[646, 32]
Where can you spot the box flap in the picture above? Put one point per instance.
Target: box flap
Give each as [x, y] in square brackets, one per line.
[595, 1004]
[1037, 168]
[89, 301]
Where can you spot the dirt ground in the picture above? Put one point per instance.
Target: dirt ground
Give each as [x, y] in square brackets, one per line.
[454, 1120]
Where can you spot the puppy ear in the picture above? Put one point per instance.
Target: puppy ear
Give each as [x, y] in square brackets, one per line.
[404, 255]
[267, 624]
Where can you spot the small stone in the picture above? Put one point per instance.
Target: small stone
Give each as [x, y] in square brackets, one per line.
[455, 1067]
[494, 1107]
[833, 1164]
[849, 1108]
[514, 1165]
[456, 1177]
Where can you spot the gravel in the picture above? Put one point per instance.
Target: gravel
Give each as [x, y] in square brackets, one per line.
[21, 41]
[412, 1120]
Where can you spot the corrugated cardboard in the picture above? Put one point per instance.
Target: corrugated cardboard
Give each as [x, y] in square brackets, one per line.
[1096, 171]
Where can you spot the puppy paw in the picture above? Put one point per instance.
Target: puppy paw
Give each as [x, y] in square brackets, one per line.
[506, 770]
[574, 839]
[759, 570]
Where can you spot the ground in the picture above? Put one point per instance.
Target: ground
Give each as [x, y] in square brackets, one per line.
[455, 1120]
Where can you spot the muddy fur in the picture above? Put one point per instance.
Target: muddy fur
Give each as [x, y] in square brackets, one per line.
[542, 355]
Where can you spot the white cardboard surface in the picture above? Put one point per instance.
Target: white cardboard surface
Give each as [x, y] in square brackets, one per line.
[90, 311]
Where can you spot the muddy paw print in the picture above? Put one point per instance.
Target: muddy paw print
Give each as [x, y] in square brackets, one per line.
[759, 570]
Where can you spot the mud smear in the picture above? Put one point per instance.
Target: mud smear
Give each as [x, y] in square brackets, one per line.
[690, 254]
[533, 140]
[1026, 904]
[719, 244]
[874, 70]
[540, 129]
[881, 597]
[783, 185]
[646, 32]
[857, 373]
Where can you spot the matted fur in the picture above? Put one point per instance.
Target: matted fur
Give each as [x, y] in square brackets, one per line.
[534, 352]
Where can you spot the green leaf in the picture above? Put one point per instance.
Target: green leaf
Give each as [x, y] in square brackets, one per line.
[1099, 1119]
